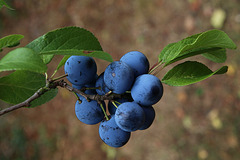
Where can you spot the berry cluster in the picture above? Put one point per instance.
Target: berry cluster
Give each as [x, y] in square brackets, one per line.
[129, 78]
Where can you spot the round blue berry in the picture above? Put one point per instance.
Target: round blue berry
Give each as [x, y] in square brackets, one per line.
[147, 90]
[137, 61]
[89, 112]
[129, 116]
[80, 70]
[149, 117]
[118, 77]
[111, 134]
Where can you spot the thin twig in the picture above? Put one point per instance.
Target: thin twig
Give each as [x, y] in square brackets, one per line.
[52, 85]
[108, 96]
[154, 67]
[26, 103]
[58, 78]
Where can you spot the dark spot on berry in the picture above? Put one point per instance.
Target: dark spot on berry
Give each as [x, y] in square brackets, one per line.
[80, 73]
[75, 81]
[67, 63]
[79, 62]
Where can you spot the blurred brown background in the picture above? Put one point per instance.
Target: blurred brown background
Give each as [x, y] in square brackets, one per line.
[196, 122]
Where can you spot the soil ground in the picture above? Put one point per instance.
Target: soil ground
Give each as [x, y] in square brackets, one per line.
[200, 121]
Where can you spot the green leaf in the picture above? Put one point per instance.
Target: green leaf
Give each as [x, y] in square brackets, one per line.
[3, 3]
[61, 63]
[10, 41]
[22, 59]
[195, 52]
[198, 43]
[96, 54]
[20, 85]
[218, 56]
[190, 72]
[66, 39]
[47, 96]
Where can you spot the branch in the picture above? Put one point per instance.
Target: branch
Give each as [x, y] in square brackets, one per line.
[53, 84]
[97, 97]
[26, 103]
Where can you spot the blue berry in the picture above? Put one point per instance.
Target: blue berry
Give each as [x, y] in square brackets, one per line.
[118, 77]
[111, 134]
[147, 90]
[137, 61]
[149, 117]
[129, 116]
[89, 112]
[100, 83]
[80, 70]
